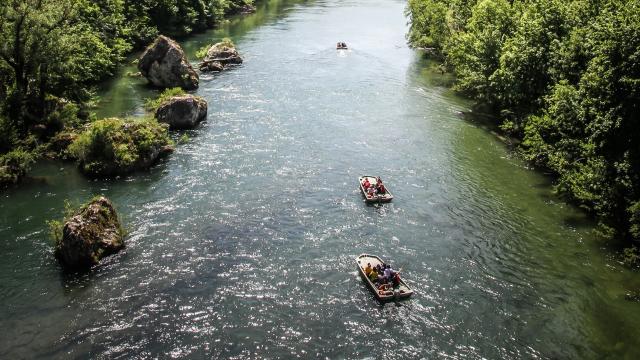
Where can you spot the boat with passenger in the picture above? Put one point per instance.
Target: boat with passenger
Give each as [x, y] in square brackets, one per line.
[373, 189]
[389, 286]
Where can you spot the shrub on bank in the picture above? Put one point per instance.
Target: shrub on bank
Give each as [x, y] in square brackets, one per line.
[120, 146]
[14, 165]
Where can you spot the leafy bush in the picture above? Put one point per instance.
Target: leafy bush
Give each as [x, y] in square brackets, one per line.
[14, 165]
[119, 146]
[8, 135]
[153, 104]
[202, 52]
[631, 257]
[561, 75]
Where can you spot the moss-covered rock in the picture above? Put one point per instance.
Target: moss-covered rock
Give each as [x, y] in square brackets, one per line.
[220, 56]
[89, 234]
[120, 146]
[182, 112]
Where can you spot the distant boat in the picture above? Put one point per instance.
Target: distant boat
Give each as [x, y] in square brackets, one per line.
[401, 292]
[341, 46]
[386, 197]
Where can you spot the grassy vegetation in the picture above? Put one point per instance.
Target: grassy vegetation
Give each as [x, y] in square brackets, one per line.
[56, 226]
[153, 104]
[202, 52]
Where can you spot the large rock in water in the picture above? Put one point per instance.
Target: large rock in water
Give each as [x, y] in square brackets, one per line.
[91, 234]
[220, 56]
[165, 65]
[182, 112]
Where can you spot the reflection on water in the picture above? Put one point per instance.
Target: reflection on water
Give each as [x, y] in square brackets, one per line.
[242, 242]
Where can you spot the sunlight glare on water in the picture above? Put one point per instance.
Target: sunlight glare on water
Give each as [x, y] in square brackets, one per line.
[242, 243]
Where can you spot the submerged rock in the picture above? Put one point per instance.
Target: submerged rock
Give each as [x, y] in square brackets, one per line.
[211, 66]
[92, 233]
[165, 65]
[220, 56]
[182, 112]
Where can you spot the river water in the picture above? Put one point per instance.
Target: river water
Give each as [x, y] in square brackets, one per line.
[242, 243]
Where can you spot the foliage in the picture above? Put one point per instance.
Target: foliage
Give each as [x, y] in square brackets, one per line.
[153, 104]
[202, 52]
[14, 165]
[53, 53]
[55, 47]
[631, 256]
[56, 226]
[148, 18]
[562, 75]
[8, 135]
[118, 146]
[183, 139]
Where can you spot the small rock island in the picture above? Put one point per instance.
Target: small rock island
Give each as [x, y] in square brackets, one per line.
[89, 235]
[220, 56]
[165, 65]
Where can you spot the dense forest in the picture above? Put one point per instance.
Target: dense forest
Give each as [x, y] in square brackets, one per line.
[54, 52]
[562, 76]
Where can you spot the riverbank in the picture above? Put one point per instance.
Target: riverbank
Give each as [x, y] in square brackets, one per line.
[560, 84]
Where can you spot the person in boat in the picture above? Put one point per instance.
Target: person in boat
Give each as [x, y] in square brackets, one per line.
[373, 275]
[368, 269]
[343, 45]
[371, 191]
[380, 187]
[339, 45]
[387, 272]
[396, 280]
[366, 183]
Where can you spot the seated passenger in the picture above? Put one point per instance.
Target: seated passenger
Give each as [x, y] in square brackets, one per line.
[380, 187]
[387, 272]
[396, 280]
[366, 183]
[368, 269]
[373, 275]
[371, 191]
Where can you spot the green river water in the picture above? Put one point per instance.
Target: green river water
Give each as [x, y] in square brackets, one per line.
[241, 244]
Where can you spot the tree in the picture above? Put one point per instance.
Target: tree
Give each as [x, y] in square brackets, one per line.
[475, 52]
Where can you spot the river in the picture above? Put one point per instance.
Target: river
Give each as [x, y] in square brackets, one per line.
[241, 244]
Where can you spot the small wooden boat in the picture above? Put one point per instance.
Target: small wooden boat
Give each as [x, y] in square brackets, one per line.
[342, 46]
[403, 291]
[386, 197]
